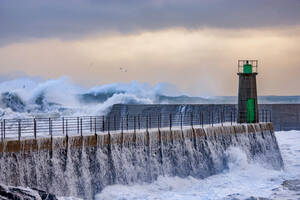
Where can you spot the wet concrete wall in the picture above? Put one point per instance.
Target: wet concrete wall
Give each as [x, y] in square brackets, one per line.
[83, 166]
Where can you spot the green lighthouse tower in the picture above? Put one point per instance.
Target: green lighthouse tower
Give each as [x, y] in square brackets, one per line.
[247, 101]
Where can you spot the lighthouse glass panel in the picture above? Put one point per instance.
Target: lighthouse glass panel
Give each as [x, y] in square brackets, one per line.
[247, 69]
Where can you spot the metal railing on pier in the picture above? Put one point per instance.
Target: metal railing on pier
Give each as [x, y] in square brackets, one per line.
[84, 125]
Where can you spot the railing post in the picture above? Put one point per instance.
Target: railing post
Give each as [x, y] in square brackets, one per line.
[115, 123]
[147, 121]
[51, 129]
[181, 120]
[95, 125]
[108, 124]
[158, 121]
[91, 126]
[170, 119]
[134, 123]
[66, 127]
[49, 124]
[139, 122]
[192, 120]
[1, 130]
[212, 114]
[81, 126]
[4, 131]
[150, 121]
[270, 116]
[19, 129]
[77, 125]
[266, 116]
[122, 125]
[63, 125]
[202, 119]
[234, 115]
[127, 121]
[103, 124]
[222, 117]
[231, 117]
[34, 128]
[199, 119]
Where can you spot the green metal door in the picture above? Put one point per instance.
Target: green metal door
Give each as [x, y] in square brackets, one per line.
[247, 69]
[250, 110]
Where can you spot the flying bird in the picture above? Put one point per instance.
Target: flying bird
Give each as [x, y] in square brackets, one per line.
[123, 69]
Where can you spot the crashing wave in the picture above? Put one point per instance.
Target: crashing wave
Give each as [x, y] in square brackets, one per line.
[61, 97]
[13, 101]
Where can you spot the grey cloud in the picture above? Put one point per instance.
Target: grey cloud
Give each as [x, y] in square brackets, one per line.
[66, 19]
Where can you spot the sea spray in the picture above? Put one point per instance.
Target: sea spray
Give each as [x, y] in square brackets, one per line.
[26, 97]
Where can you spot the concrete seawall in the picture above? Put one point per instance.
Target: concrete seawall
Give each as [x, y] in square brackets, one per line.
[83, 166]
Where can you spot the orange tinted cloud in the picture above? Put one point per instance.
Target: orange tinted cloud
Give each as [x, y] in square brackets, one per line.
[200, 62]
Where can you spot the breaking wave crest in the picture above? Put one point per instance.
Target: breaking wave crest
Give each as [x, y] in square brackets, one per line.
[30, 97]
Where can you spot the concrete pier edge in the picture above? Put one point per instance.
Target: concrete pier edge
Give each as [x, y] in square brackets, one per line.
[126, 137]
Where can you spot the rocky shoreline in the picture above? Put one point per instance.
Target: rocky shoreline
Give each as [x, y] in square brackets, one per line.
[21, 193]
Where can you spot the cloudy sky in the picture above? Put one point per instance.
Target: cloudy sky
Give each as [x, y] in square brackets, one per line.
[192, 44]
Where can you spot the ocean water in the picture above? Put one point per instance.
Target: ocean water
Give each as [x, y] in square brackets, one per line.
[244, 179]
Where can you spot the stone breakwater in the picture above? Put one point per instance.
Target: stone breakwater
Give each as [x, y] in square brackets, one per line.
[83, 166]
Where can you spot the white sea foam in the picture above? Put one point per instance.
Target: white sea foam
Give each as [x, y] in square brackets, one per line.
[242, 180]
